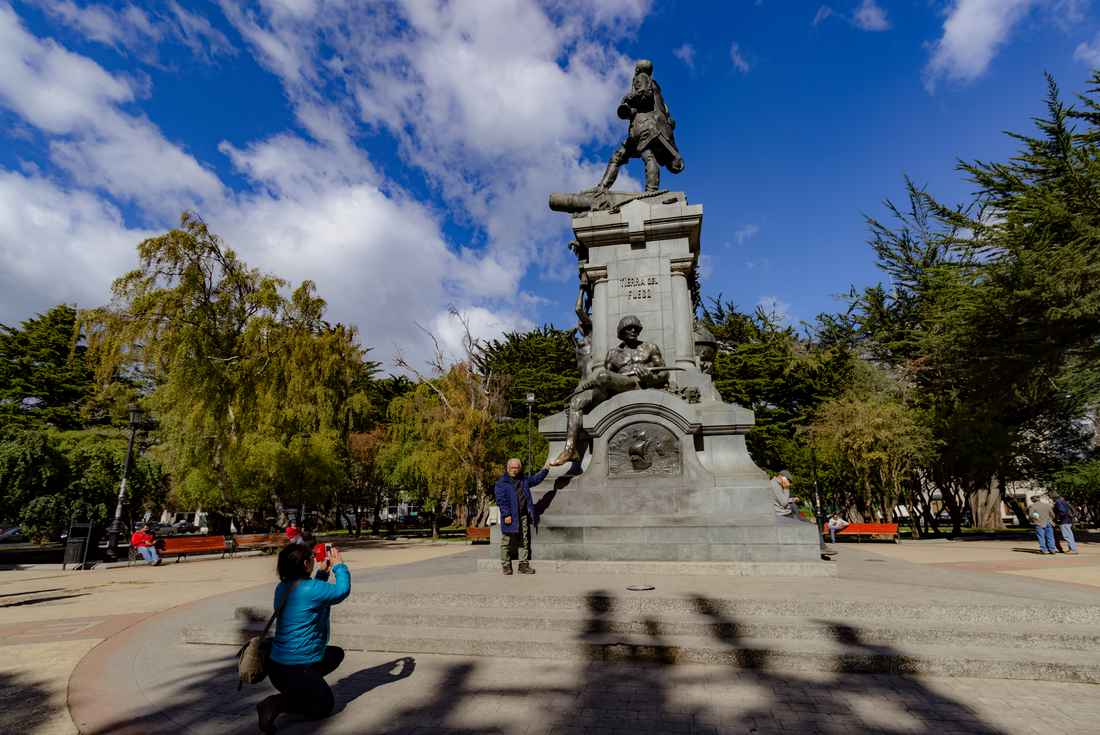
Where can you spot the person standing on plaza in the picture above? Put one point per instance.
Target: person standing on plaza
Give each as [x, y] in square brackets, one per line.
[300, 655]
[517, 514]
[786, 505]
[836, 523]
[144, 541]
[1041, 517]
[1064, 519]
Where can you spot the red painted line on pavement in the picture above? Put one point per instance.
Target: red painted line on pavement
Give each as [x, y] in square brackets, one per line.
[69, 629]
[97, 707]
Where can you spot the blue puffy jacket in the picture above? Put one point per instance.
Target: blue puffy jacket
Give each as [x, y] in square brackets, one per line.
[302, 628]
[505, 493]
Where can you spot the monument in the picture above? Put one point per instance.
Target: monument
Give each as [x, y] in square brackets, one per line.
[650, 465]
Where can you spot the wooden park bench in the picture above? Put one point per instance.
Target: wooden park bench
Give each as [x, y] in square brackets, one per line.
[266, 540]
[477, 533]
[180, 547]
[868, 529]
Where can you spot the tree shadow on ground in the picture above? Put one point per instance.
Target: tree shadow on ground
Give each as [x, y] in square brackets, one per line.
[632, 691]
[25, 702]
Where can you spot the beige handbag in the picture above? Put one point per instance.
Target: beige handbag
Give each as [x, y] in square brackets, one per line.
[252, 658]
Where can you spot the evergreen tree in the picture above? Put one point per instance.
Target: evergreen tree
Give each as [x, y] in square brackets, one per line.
[44, 379]
[781, 376]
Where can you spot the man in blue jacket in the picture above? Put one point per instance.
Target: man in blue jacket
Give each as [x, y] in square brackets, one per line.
[517, 512]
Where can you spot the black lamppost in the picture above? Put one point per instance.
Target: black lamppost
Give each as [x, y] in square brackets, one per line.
[116, 526]
[302, 505]
[817, 493]
[530, 403]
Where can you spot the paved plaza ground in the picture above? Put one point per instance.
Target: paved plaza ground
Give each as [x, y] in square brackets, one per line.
[99, 652]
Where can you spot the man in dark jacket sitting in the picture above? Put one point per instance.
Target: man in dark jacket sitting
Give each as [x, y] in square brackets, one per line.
[517, 512]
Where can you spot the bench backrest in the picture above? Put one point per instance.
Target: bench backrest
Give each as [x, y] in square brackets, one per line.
[477, 532]
[198, 543]
[871, 528]
[265, 539]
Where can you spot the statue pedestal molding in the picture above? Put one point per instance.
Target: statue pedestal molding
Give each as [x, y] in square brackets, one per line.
[664, 475]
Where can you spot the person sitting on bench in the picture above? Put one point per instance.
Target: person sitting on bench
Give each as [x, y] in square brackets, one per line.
[144, 541]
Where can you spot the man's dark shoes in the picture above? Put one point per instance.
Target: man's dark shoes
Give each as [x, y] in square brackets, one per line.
[525, 568]
[508, 570]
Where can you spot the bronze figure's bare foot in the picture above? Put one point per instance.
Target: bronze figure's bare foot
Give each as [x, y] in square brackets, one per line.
[568, 455]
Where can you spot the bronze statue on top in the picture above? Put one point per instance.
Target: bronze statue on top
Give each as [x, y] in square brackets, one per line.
[632, 365]
[650, 137]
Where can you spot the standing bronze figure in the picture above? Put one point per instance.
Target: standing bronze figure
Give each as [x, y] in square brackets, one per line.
[650, 137]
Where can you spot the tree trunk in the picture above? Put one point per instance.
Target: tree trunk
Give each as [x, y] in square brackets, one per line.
[482, 517]
[985, 505]
[281, 518]
[377, 512]
[462, 514]
[948, 497]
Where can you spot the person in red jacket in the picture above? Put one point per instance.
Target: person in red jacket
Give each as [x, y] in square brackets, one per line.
[143, 541]
[294, 533]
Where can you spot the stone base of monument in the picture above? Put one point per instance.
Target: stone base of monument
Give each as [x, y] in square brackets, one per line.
[664, 480]
[679, 568]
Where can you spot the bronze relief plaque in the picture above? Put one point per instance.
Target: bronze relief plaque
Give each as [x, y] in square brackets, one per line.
[644, 449]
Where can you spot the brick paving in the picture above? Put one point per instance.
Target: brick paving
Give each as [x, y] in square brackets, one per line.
[401, 694]
[140, 679]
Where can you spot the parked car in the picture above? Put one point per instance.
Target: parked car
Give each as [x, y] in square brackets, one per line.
[13, 535]
[185, 527]
[160, 529]
[409, 522]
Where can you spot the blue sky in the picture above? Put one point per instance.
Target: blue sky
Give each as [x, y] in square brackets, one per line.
[401, 154]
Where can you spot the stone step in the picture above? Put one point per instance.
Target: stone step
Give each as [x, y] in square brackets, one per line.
[868, 631]
[1000, 615]
[852, 656]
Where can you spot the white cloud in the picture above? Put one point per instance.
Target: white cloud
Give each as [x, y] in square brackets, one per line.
[75, 101]
[57, 246]
[686, 54]
[745, 233]
[779, 310]
[1089, 52]
[822, 13]
[133, 29]
[706, 266]
[972, 34]
[739, 61]
[870, 17]
[491, 100]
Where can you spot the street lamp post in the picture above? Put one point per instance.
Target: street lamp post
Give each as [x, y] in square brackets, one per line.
[817, 493]
[530, 403]
[116, 526]
[302, 506]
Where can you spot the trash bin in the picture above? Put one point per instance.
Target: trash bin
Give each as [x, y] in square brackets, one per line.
[74, 550]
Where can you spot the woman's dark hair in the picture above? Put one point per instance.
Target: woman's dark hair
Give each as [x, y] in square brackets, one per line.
[292, 562]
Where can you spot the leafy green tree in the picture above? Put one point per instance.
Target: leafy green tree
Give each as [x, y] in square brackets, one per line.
[237, 367]
[883, 443]
[449, 428]
[44, 379]
[780, 375]
[49, 479]
[542, 361]
[990, 317]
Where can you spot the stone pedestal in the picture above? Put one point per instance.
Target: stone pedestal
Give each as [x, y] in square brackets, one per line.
[664, 475]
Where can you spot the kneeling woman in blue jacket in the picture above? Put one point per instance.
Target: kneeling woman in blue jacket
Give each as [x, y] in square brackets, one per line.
[300, 656]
